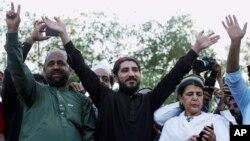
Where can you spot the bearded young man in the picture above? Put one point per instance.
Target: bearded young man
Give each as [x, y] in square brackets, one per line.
[126, 115]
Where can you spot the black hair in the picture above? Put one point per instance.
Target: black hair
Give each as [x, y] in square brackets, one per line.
[123, 59]
[192, 79]
[111, 78]
[189, 80]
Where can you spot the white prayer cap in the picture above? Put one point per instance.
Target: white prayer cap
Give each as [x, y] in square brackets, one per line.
[103, 67]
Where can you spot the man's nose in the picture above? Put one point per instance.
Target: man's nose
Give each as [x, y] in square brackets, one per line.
[56, 66]
[100, 78]
[131, 72]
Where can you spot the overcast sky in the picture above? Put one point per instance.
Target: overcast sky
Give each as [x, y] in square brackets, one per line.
[207, 14]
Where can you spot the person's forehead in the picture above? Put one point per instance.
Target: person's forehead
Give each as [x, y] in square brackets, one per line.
[128, 64]
[101, 72]
[192, 87]
[56, 56]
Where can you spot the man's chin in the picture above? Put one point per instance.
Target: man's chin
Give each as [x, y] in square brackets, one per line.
[57, 84]
[57, 78]
[57, 81]
[129, 88]
[131, 84]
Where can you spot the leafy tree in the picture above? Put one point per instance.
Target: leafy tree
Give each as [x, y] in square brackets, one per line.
[2, 31]
[101, 38]
[161, 45]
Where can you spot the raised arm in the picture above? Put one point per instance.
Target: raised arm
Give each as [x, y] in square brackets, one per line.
[204, 41]
[234, 79]
[19, 71]
[9, 94]
[181, 68]
[36, 35]
[236, 34]
[76, 61]
[58, 26]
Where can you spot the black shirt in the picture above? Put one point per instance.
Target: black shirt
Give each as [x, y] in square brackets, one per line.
[126, 117]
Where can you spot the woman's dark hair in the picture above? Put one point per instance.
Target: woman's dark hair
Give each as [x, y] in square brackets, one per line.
[189, 80]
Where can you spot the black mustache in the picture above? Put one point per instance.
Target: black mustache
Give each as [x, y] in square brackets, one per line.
[232, 112]
[131, 78]
[56, 71]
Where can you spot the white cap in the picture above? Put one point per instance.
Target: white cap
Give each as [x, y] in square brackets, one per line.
[103, 67]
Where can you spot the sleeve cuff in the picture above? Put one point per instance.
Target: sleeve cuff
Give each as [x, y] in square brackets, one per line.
[233, 77]
[68, 47]
[12, 38]
[192, 54]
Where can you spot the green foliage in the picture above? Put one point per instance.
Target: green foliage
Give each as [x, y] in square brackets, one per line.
[162, 45]
[2, 35]
[157, 46]
[172, 98]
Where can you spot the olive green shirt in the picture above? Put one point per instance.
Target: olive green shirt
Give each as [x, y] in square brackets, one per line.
[50, 114]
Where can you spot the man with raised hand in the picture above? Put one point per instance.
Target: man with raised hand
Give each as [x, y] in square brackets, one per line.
[233, 78]
[127, 115]
[12, 104]
[51, 112]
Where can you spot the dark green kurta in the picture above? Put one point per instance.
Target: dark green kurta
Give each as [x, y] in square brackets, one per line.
[50, 114]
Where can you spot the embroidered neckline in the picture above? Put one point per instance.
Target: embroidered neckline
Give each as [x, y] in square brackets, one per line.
[189, 118]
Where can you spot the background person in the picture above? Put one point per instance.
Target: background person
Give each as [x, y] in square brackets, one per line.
[192, 120]
[233, 78]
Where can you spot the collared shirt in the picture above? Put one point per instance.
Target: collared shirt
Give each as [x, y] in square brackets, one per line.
[49, 113]
[240, 92]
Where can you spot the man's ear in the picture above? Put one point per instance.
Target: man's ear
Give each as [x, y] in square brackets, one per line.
[44, 73]
[71, 71]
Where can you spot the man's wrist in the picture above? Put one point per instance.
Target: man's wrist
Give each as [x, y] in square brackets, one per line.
[30, 40]
[12, 30]
[197, 48]
[65, 38]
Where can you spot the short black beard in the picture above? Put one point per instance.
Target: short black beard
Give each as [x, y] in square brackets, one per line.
[58, 84]
[239, 120]
[128, 90]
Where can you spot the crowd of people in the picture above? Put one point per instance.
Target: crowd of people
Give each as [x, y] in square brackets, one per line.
[46, 107]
